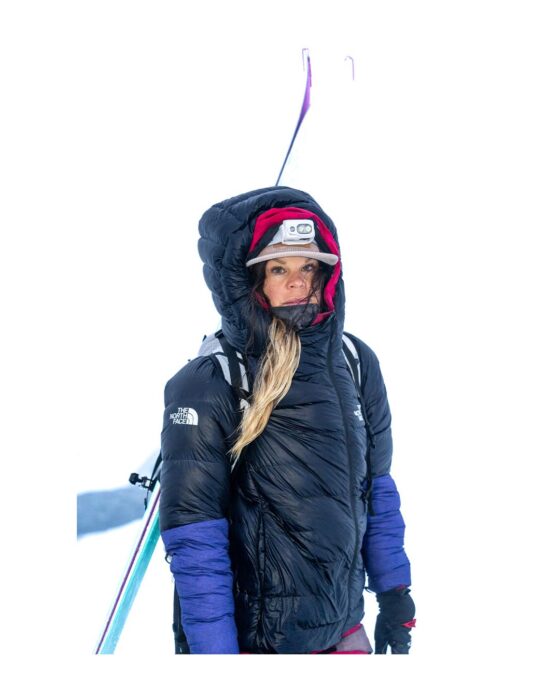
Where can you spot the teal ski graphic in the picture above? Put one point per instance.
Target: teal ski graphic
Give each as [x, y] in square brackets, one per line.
[135, 570]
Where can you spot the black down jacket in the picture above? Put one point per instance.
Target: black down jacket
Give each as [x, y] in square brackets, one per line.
[296, 501]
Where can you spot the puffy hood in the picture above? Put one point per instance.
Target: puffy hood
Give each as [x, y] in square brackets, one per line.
[231, 229]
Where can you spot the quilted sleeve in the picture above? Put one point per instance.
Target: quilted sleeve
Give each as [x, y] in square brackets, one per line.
[385, 559]
[201, 415]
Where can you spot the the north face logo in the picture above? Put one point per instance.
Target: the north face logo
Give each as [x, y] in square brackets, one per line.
[359, 412]
[184, 416]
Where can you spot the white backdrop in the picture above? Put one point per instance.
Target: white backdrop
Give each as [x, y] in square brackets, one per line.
[124, 121]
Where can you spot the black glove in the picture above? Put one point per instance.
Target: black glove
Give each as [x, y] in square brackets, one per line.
[394, 622]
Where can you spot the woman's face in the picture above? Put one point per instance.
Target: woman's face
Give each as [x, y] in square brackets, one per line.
[289, 280]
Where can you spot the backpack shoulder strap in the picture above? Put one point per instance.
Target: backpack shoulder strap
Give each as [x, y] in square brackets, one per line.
[232, 364]
[353, 359]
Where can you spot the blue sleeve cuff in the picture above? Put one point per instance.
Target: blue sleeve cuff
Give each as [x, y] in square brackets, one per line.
[385, 560]
[201, 567]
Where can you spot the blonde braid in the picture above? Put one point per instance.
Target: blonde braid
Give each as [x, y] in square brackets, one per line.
[274, 378]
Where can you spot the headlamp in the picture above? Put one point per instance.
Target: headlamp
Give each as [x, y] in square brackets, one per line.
[295, 232]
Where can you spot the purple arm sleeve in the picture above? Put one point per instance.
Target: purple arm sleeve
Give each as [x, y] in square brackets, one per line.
[202, 569]
[385, 560]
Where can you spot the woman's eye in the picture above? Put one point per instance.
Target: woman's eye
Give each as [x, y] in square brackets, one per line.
[276, 270]
[310, 267]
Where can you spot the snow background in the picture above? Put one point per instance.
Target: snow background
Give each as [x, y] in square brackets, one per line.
[122, 123]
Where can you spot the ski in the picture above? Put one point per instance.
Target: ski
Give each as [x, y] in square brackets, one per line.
[149, 530]
[134, 573]
[304, 108]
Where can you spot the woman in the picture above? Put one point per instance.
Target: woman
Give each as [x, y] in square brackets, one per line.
[271, 556]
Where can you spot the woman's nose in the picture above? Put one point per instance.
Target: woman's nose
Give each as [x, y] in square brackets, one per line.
[295, 279]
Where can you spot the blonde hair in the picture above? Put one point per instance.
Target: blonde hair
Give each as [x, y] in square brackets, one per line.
[274, 378]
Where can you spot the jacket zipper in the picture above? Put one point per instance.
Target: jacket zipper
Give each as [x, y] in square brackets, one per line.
[351, 470]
